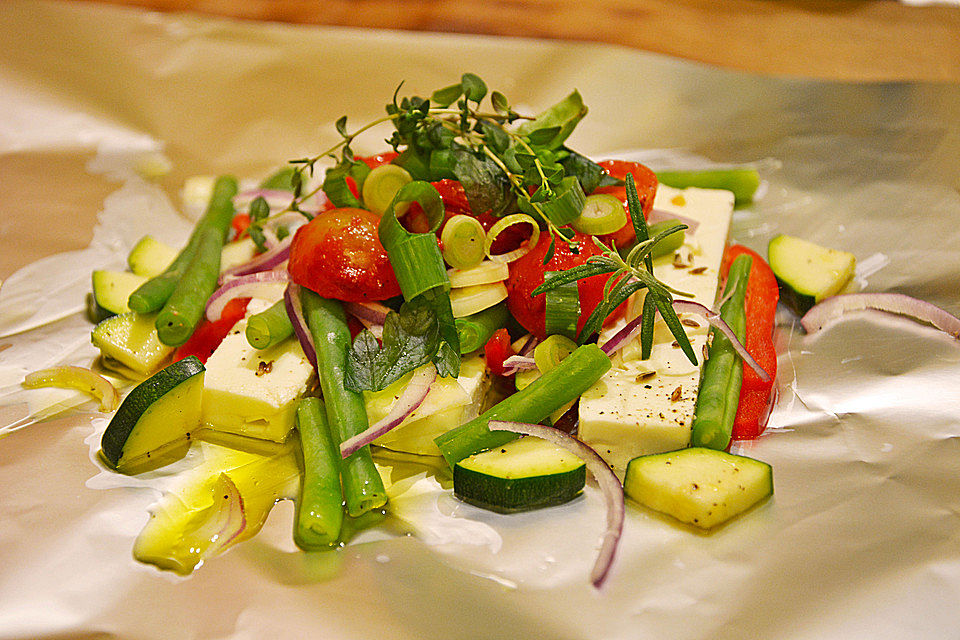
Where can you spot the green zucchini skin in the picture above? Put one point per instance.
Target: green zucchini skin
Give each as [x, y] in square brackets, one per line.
[521, 475]
[153, 405]
[808, 273]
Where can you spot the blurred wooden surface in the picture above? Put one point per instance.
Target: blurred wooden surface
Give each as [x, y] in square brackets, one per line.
[846, 40]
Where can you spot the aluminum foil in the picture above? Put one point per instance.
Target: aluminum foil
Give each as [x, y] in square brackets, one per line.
[862, 537]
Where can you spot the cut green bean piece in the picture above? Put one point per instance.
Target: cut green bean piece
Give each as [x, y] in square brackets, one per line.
[346, 411]
[475, 330]
[742, 181]
[184, 309]
[577, 373]
[154, 293]
[719, 393]
[320, 504]
[269, 327]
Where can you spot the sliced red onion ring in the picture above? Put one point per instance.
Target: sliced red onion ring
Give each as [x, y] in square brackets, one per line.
[371, 311]
[659, 215]
[609, 485]
[529, 345]
[262, 262]
[622, 337]
[833, 308]
[255, 285]
[292, 302]
[227, 519]
[628, 333]
[412, 397]
[518, 363]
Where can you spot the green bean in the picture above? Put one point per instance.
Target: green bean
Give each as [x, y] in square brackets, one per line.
[346, 410]
[184, 309]
[742, 181]
[320, 507]
[269, 327]
[476, 329]
[154, 293]
[535, 402]
[723, 372]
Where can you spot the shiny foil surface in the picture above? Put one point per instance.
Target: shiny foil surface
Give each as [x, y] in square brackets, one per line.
[862, 536]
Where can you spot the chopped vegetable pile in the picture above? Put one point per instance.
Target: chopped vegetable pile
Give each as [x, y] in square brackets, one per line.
[479, 294]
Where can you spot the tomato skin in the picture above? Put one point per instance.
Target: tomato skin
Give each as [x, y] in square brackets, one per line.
[646, 182]
[497, 349]
[527, 273]
[239, 224]
[338, 255]
[208, 335]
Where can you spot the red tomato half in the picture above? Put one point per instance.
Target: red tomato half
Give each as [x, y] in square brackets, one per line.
[527, 273]
[338, 255]
[646, 181]
[208, 335]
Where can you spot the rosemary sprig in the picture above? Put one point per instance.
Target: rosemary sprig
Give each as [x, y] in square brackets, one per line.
[629, 275]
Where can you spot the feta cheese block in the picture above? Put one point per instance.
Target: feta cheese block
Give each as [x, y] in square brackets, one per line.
[646, 406]
[252, 392]
[450, 403]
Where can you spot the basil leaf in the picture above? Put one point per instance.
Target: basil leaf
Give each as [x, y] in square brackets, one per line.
[586, 171]
[446, 96]
[474, 88]
[565, 115]
[486, 185]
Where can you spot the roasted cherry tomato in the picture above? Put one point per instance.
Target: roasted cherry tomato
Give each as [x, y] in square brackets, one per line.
[497, 349]
[208, 335]
[527, 273]
[338, 255]
[646, 181]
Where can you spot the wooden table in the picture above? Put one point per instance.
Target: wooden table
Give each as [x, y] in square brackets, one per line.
[845, 40]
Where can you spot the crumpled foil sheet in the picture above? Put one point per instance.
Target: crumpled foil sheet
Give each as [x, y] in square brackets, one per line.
[862, 537]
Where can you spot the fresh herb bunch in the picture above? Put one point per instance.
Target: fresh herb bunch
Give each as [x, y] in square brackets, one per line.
[630, 274]
[506, 162]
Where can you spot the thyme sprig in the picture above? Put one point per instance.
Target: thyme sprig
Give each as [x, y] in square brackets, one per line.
[506, 161]
[629, 275]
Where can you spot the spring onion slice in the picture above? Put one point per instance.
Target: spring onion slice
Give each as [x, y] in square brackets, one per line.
[71, 377]
[602, 213]
[467, 301]
[562, 309]
[475, 330]
[381, 185]
[565, 204]
[416, 259]
[486, 272]
[835, 307]
[552, 351]
[500, 226]
[463, 241]
[609, 485]
[412, 397]
[254, 285]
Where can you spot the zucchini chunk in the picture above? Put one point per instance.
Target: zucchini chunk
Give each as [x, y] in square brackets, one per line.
[808, 273]
[156, 418]
[150, 257]
[699, 486]
[524, 474]
[131, 339]
[111, 289]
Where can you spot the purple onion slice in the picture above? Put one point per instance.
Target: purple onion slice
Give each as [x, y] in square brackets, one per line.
[412, 397]
[292, 302]
[265, 261]
[609, 485]
[834, 308]
[254, 285]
